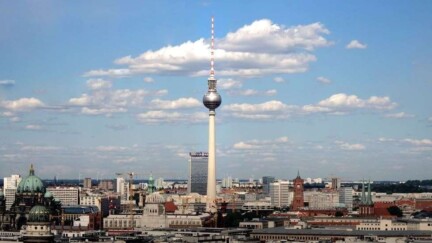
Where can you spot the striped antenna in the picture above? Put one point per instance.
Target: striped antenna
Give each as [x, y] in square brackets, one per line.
[212, 49]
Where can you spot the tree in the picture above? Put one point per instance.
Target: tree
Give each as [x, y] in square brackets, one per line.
[395, 210]
[339, 214]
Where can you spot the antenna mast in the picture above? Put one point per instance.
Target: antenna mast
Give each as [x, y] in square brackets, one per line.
[212, 72]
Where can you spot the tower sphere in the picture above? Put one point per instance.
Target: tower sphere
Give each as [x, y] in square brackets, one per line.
[212, 100]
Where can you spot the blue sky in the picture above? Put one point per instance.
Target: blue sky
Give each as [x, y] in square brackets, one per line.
[330, 88]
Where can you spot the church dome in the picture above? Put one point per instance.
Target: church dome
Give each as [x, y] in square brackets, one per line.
[155, 198]
[48, 195]
[39, 213]
[31, 183]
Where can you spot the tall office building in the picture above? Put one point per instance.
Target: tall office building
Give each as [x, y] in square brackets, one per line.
[212, 100]
[280, 194]
[346, 197]
[336, 183]
[266, 180]
[198, 173]
[87, 183]
[10, 185]
[227, 182]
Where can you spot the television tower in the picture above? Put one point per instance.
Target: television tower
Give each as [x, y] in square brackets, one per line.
[212, 100]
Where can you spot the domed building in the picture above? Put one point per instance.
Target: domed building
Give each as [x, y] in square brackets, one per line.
[31, 191]
[38, 228]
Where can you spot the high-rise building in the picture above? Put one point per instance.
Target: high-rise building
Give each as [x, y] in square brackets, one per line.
[87, 183]
[10, 185]
[336, 183]
[298, 200]
[198, 173]
[346, 197]
[266, 180]
[280, 194]
[106, 185]
[212, 100]
[227, 182]
[159, 183]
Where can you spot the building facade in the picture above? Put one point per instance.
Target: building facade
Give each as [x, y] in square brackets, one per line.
[280, 194]
[66, 195]
[198, 169]
[298, 200]
[346, 197]
[10, 185]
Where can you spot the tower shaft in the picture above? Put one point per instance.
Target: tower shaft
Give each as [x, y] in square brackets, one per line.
[211, 179]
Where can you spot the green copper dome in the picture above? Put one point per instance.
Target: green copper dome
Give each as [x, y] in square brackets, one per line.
[48, 195]
[32, 184]
[39, 213]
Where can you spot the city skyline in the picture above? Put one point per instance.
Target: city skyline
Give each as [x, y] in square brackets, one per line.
[327, 88]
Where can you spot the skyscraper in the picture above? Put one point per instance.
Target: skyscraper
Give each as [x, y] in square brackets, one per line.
[346, 197]
[198, 172]
[266, 180]
[212, 100]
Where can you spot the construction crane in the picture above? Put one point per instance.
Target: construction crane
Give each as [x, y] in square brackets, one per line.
[131, 196]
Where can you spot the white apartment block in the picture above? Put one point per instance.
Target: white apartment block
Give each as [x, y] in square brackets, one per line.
[10, 185]
[321, 200]
[66, 195]
[280, 194]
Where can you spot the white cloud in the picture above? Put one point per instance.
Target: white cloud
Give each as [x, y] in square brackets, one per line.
[271, 92]
[154, 117]
[102, 100]
[324, 80]
[102, 111]
[8, 114]
[342, 100]
[226, 84]
[112, 148]
[22, 104]
[348, 146]
[418, 142]
[398, 115]
[39, 148]
[338, 104]
[175, 104]
[253, 50]
[279, 79]
[7, 83]
[98, 84]
[148, 80]
[355, 44]
[33, 127]
[260, 144]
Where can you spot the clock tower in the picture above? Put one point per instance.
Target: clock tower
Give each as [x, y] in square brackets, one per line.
[298, 200]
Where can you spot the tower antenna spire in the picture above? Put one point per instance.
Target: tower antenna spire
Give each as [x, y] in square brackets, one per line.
[212, 72]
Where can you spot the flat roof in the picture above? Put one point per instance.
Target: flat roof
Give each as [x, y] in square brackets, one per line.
[323, 232]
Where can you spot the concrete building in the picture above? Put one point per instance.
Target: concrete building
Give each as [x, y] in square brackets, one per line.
[197, 182]
[382, 224]
[10, 185]
[346, 197]
[266, 180]
[107, 185]
[280, 194]
[227, 182]
[66, 195]
[87, 183]
[321, 200]
[335, 183]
